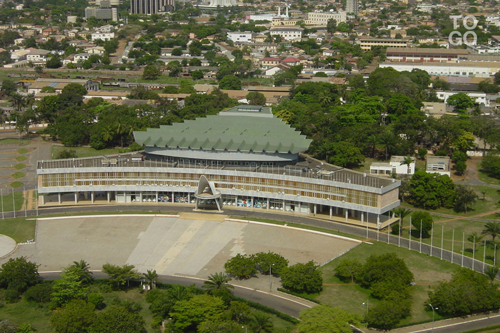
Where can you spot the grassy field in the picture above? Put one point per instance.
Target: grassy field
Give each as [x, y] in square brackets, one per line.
[20, 229]
[487, 179]
[19, 166]
[16, 184]
[428, 272]
[20, 142]
[22, 151]
[84, 151]
[21, 158]
[18, 175]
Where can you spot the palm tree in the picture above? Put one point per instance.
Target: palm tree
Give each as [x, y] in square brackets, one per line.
[491, 272]
[82, 269]
[388, 141]
[372, 142]
[18, 101]
[492, 229]
[107, 134]
[151, 276]
[261, 322]
[402, 213]
[408, 161]
[179, 293]
[217, 282]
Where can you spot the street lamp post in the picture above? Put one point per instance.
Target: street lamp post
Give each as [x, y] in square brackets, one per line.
[367, 305]
[433, 310]
[270, 275]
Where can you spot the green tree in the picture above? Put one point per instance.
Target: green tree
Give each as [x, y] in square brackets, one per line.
[430, 191]
[230, 82]
[331, 26]
[72, 95]
[385, 315]
[174, 68]
[402, 213]
[151, 72]
[9, 87]
[256, 98]
[422, 152]
[39, 293]
[241, 266]
[461, 102]
[323, 318]
[491, 272]
[220, 326]
[496, 78]
[197, 75]
[475, 239]
[76, 317]
[217, 284]
[302, 278]
[261, 322]
[54, 62]
[467, 292]
[270, 260]
[118, 319]
[348, 269]
[491, 165]
[464, 142]
[422, 221]
[82, 270]
[18, 274]
[240, 312]
[386, 267]
[491, 229]
[465, 198]
[120, 275]
[187, 315]
[151, 276]
[68, 288]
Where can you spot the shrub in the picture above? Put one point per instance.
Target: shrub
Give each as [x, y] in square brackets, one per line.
[40, 293]
[303, 278]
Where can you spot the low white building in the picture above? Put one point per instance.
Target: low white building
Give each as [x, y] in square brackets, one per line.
[102, 36]
[240, 37]
[37, 56]
[81, 57]
[438, 164]
[395, 165]
[287, 33]
[478, 97]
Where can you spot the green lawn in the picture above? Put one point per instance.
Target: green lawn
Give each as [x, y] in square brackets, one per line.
[22, 151]
[20, 142]
[487, 179]
[18, 175]
[20, 229]
[428, 272]
[85, 151]
[16, 184]
[23, 312]
[19, 166]
[21, 158]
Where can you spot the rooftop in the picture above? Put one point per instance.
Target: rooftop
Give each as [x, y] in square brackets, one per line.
[239, 129]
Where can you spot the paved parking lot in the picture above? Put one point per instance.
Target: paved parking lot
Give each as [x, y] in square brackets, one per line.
[196, 245]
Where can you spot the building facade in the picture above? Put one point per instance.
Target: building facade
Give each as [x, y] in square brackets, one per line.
[149, 7]
[352, 6]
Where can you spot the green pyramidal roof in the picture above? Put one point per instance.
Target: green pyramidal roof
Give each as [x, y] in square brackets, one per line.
[238, 129]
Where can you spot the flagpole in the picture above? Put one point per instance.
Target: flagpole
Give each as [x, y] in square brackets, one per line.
[473, 252]
[442, 241]
[13, 204]
[409, 236]
[463, 247]
[432, 238]
[1, 195]
[399, 233]
[452, 245]
[420, 249]
[484, 254]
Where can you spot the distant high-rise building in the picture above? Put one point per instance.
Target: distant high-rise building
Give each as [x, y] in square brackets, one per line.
[352, 6]
[107, 10]
[148, 7]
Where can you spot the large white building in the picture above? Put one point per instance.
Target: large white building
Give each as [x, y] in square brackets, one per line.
[463, 68]
[477, 96]
[243, 157]
[105, 36]
[240, 37]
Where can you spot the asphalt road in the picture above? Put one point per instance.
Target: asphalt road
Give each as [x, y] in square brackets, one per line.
[284, 305]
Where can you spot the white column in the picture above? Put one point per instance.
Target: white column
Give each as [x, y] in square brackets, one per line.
[267, 207]
[330, 212]
[43, 199]
[236, 201]
[284, 205]
[76, 197]
[362, 217]
[336, 210]
[315, 209]
[378, 220]
[92, 197]
[59, 197]
[108, 195]
[346, 214]
[189, 197]
[251, 201]
[173, 199]
[156, 196]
